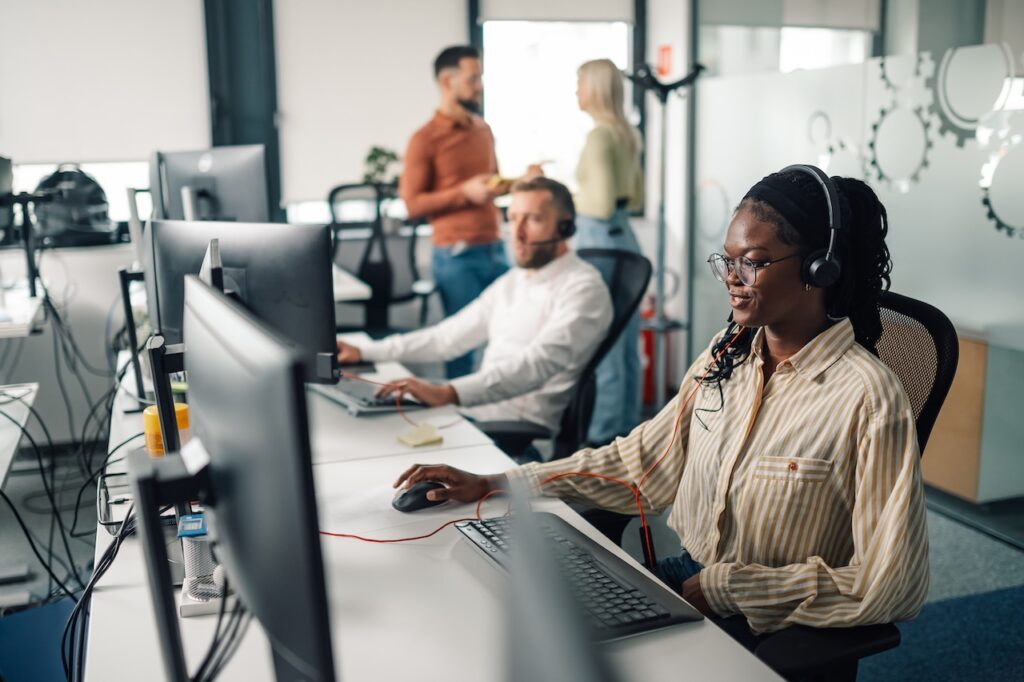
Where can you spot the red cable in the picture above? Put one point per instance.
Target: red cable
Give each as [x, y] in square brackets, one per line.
[633, 488]
[432, 533]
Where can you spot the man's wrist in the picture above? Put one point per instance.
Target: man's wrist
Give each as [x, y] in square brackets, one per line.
[452, 394]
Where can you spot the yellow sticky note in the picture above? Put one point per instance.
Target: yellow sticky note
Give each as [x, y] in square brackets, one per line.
[424, 434]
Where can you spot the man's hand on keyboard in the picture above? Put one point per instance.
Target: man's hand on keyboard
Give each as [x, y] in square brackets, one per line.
[431, 395]
[461, 486]
[348, 354]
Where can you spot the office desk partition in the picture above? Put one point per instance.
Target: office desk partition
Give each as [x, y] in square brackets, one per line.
[430, 609]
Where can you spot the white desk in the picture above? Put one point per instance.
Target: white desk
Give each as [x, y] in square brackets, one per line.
[337, 436]
[10, 434]
[348, 287]
[426, 610]
[21, 314]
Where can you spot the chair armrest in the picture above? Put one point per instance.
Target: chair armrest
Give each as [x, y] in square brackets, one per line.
[514, 428]
[424, 287]
[513, 437]
[804, 650]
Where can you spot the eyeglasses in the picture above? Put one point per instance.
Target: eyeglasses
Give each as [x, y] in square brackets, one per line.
[745, 269]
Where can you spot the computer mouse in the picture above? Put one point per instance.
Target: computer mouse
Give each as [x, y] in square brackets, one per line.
[414, 497]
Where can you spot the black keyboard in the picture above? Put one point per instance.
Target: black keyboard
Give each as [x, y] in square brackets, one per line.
[366, 394]
[617, 599]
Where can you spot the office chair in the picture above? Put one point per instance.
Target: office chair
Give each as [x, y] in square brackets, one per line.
[627, 275]
[920, 346]
[385, 260]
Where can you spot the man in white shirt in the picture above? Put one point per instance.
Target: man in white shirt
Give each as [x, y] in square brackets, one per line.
[541, 321]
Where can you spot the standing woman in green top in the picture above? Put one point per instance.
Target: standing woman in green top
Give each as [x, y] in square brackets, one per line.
[610, 183]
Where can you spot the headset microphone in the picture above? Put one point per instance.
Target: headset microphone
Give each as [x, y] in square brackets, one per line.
[545, 242]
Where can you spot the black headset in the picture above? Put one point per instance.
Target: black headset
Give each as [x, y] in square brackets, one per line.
[566, 228]
[822, 268]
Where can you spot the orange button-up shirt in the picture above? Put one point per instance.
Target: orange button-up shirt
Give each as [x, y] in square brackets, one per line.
[440, 157]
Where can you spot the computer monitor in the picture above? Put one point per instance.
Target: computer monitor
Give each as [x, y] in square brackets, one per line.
[548, 637]
[225, 183]
[6, 208]
[248, 409]
[249, 462]
[282, 273]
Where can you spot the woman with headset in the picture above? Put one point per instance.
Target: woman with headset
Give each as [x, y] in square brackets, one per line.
[610, 184]
[789, 456]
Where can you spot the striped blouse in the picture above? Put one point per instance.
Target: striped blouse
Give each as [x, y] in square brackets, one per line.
[802, 498]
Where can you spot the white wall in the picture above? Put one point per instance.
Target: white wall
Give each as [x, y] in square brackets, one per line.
[351, 75]
[101, 80]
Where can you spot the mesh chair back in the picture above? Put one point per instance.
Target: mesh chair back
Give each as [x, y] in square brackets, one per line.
[627, 275]
[919, 344]
[385, 261]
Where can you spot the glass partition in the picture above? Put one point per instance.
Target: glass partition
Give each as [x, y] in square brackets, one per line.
[939, 137]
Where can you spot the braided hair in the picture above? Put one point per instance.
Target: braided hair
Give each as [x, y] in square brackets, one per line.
[861, 247]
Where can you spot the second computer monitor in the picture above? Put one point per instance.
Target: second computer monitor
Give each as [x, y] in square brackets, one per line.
[282, 273]
[248, 407]
[224, 183]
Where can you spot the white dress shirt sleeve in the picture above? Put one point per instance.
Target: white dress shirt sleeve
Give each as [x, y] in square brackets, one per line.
[446, 340]
[576, 325]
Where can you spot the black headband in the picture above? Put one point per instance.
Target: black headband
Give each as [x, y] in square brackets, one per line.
[802, 206]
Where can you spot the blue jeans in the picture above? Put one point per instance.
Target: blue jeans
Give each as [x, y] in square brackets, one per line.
[674, 570]
[617, 405]
[461, 276]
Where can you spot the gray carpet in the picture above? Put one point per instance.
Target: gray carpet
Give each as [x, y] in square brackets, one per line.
[970, 627]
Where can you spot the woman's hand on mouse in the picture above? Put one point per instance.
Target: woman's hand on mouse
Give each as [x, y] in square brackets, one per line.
[460, 486]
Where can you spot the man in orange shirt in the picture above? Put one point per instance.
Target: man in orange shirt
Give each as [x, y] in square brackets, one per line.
[450, 176]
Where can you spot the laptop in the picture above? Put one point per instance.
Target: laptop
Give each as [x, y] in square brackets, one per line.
[360, 397]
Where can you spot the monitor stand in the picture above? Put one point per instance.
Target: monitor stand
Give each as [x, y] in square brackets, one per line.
[141, 399]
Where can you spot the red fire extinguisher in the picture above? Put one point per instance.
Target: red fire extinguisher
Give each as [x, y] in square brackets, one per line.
[647, 349]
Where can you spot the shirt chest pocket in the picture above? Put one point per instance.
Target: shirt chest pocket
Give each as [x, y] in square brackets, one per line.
[792, 469]
[784, 508]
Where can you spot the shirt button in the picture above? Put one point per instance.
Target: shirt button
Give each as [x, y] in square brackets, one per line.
[792, 465]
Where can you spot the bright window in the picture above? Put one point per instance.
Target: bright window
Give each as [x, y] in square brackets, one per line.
[530, 88]
[114, 177]
[820, 48]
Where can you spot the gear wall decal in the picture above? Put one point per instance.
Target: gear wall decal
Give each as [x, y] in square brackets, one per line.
[961, 126]
[819, 133]
[714, 209]
[905, 98]
[1007, 139]
[922, 62]
[873, 169]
